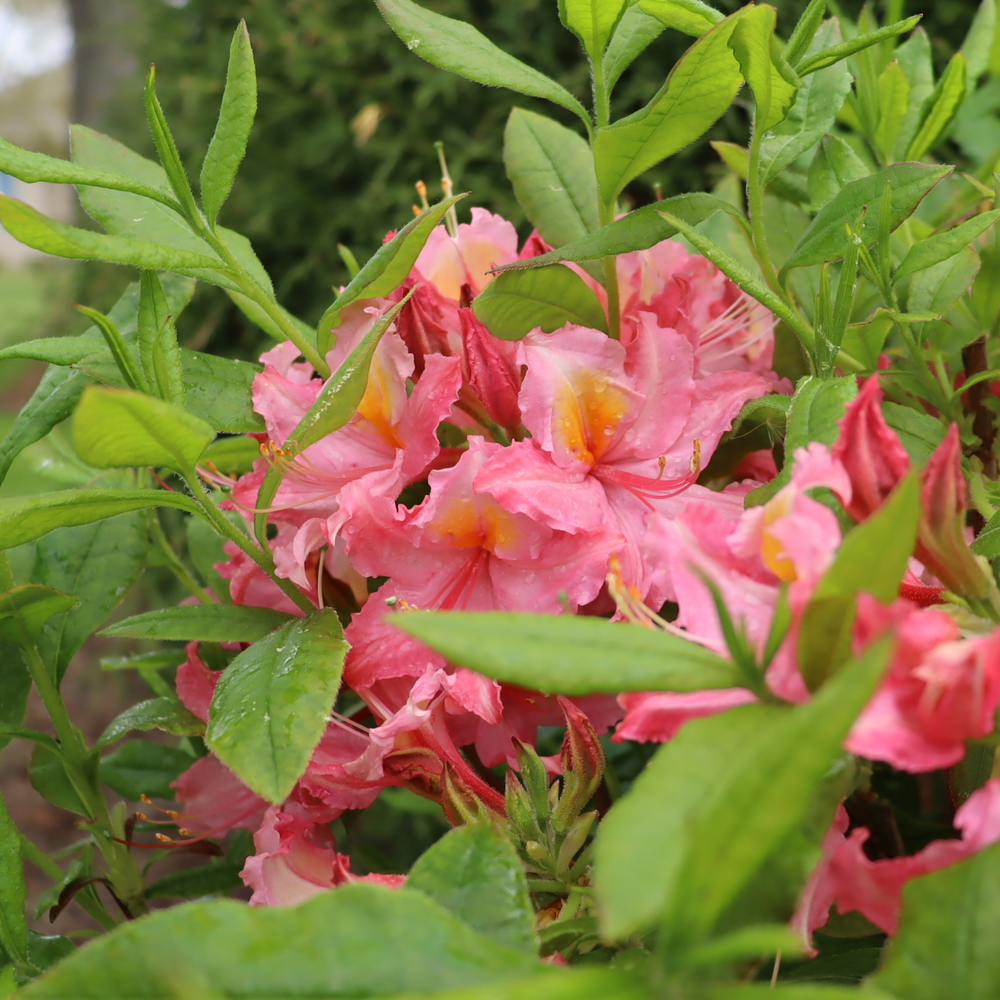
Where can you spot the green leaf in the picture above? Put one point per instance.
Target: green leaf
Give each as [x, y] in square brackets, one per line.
[124, 360]
[566, 654]
[218, 879]
[872, 558]
[747, 943]
[552, 171]
[943, 246]
[837, 52]
[229, 143]
[979, 40]
[635, 31]
[13, 893]
[946, 943]
[592, 21]
[459, 48]
[689, 16]
[167, 148]
[98, 563]
[232, 456]
[658, 850]
[820, 96]
[516, 302]
[474, 873]
[272, 703]
[62, 240]
[118, 427]
[206, 549]
[833, 167]
[15, 686]
[163, 713]
[23, 519]
[942, 285]
[159, 352]
[360, 941]
[30, 607]
[794, 991]
[140, 768]
[827, 239]
[699, 89]
[52, 350]
[772, 81]
[893, 100]
[941, 108]
[914, 56]
[48, 777]
[987, 543]
[919, 432]
[638, 230]
[386, 270]
[802, 42]
[204, 622]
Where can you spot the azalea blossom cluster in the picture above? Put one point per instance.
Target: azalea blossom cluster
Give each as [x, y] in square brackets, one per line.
[559, 474]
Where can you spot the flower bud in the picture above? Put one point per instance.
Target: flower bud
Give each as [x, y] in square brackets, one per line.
[870, 451]
[490, 371]
[422, 324]
[583, 765]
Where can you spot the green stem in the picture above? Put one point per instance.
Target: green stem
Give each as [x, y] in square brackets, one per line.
[755, 202]
[174, 562]
[610, 266]
[602, 102]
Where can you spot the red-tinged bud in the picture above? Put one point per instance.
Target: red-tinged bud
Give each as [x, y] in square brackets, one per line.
[583, 765]
[534, 246]
[463, 804]
[870, 451]
[418, 769]
[490, 371]
[422, 323]
[941, 544]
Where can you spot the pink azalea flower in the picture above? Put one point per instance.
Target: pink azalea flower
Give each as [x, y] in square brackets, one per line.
[215, 800]
[847, 877]
[296, 860]
[939, 692]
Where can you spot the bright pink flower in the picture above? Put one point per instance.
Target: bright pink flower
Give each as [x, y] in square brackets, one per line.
[215, 800]
[195, 683]
[488, 364]
[847, 877]
[939, 692]
[296, 860]
[655, 716]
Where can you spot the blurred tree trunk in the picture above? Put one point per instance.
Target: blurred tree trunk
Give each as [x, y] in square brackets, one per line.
[103, 57]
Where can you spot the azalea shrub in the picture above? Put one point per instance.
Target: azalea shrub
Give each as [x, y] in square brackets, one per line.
[650, 560]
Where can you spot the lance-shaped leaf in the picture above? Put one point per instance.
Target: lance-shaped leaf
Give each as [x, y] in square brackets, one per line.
[872, 559]
[803, 36]
[30, 607]
[827, 239]
[941, 108]
[167, 148]
[552, 171]
[658, 850]
[232, 132]
[516, 302]
[634, 32]
[159, 352]
[893, 100]
[273, 702]
[23, 519]
[205, 622]
[639, 230]
[113, 428]
[34, 167]
[163, 713]
[460, 48]
[474, 873]
[62, 240]
[690, 16]
[857, 44]
[772, 81]
[943, 246]
[699, 89]
[388, 267]
[592, 21]
[13, 892]
[565, 654]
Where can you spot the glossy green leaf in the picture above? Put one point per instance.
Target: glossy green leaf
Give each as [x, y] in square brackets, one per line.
[893, 100]
[204, 622]
[163, 713]
[48, 777]
[272, 703]
[23, 519]
[946, 942]
[217, 879]
[141, 768]
[915, 58]
[939, 287]
[458, 47]
[552, 171]
[820, 96]
[229, 143]
[516, 302]
[13, 892]
[159, 352]
[943, 246]
[386, 270]
[699, 89]
[941, 108]
[360, 941]
[689, 16]
[771, 80]
[29, 607]
[638, 230]
[872, 559]
[40, 232]
[119, 427]
[634, 32]
[826, 238]
[857, 44]
[568, 654]
[474, 873]
[659, 849]
[592, 21]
